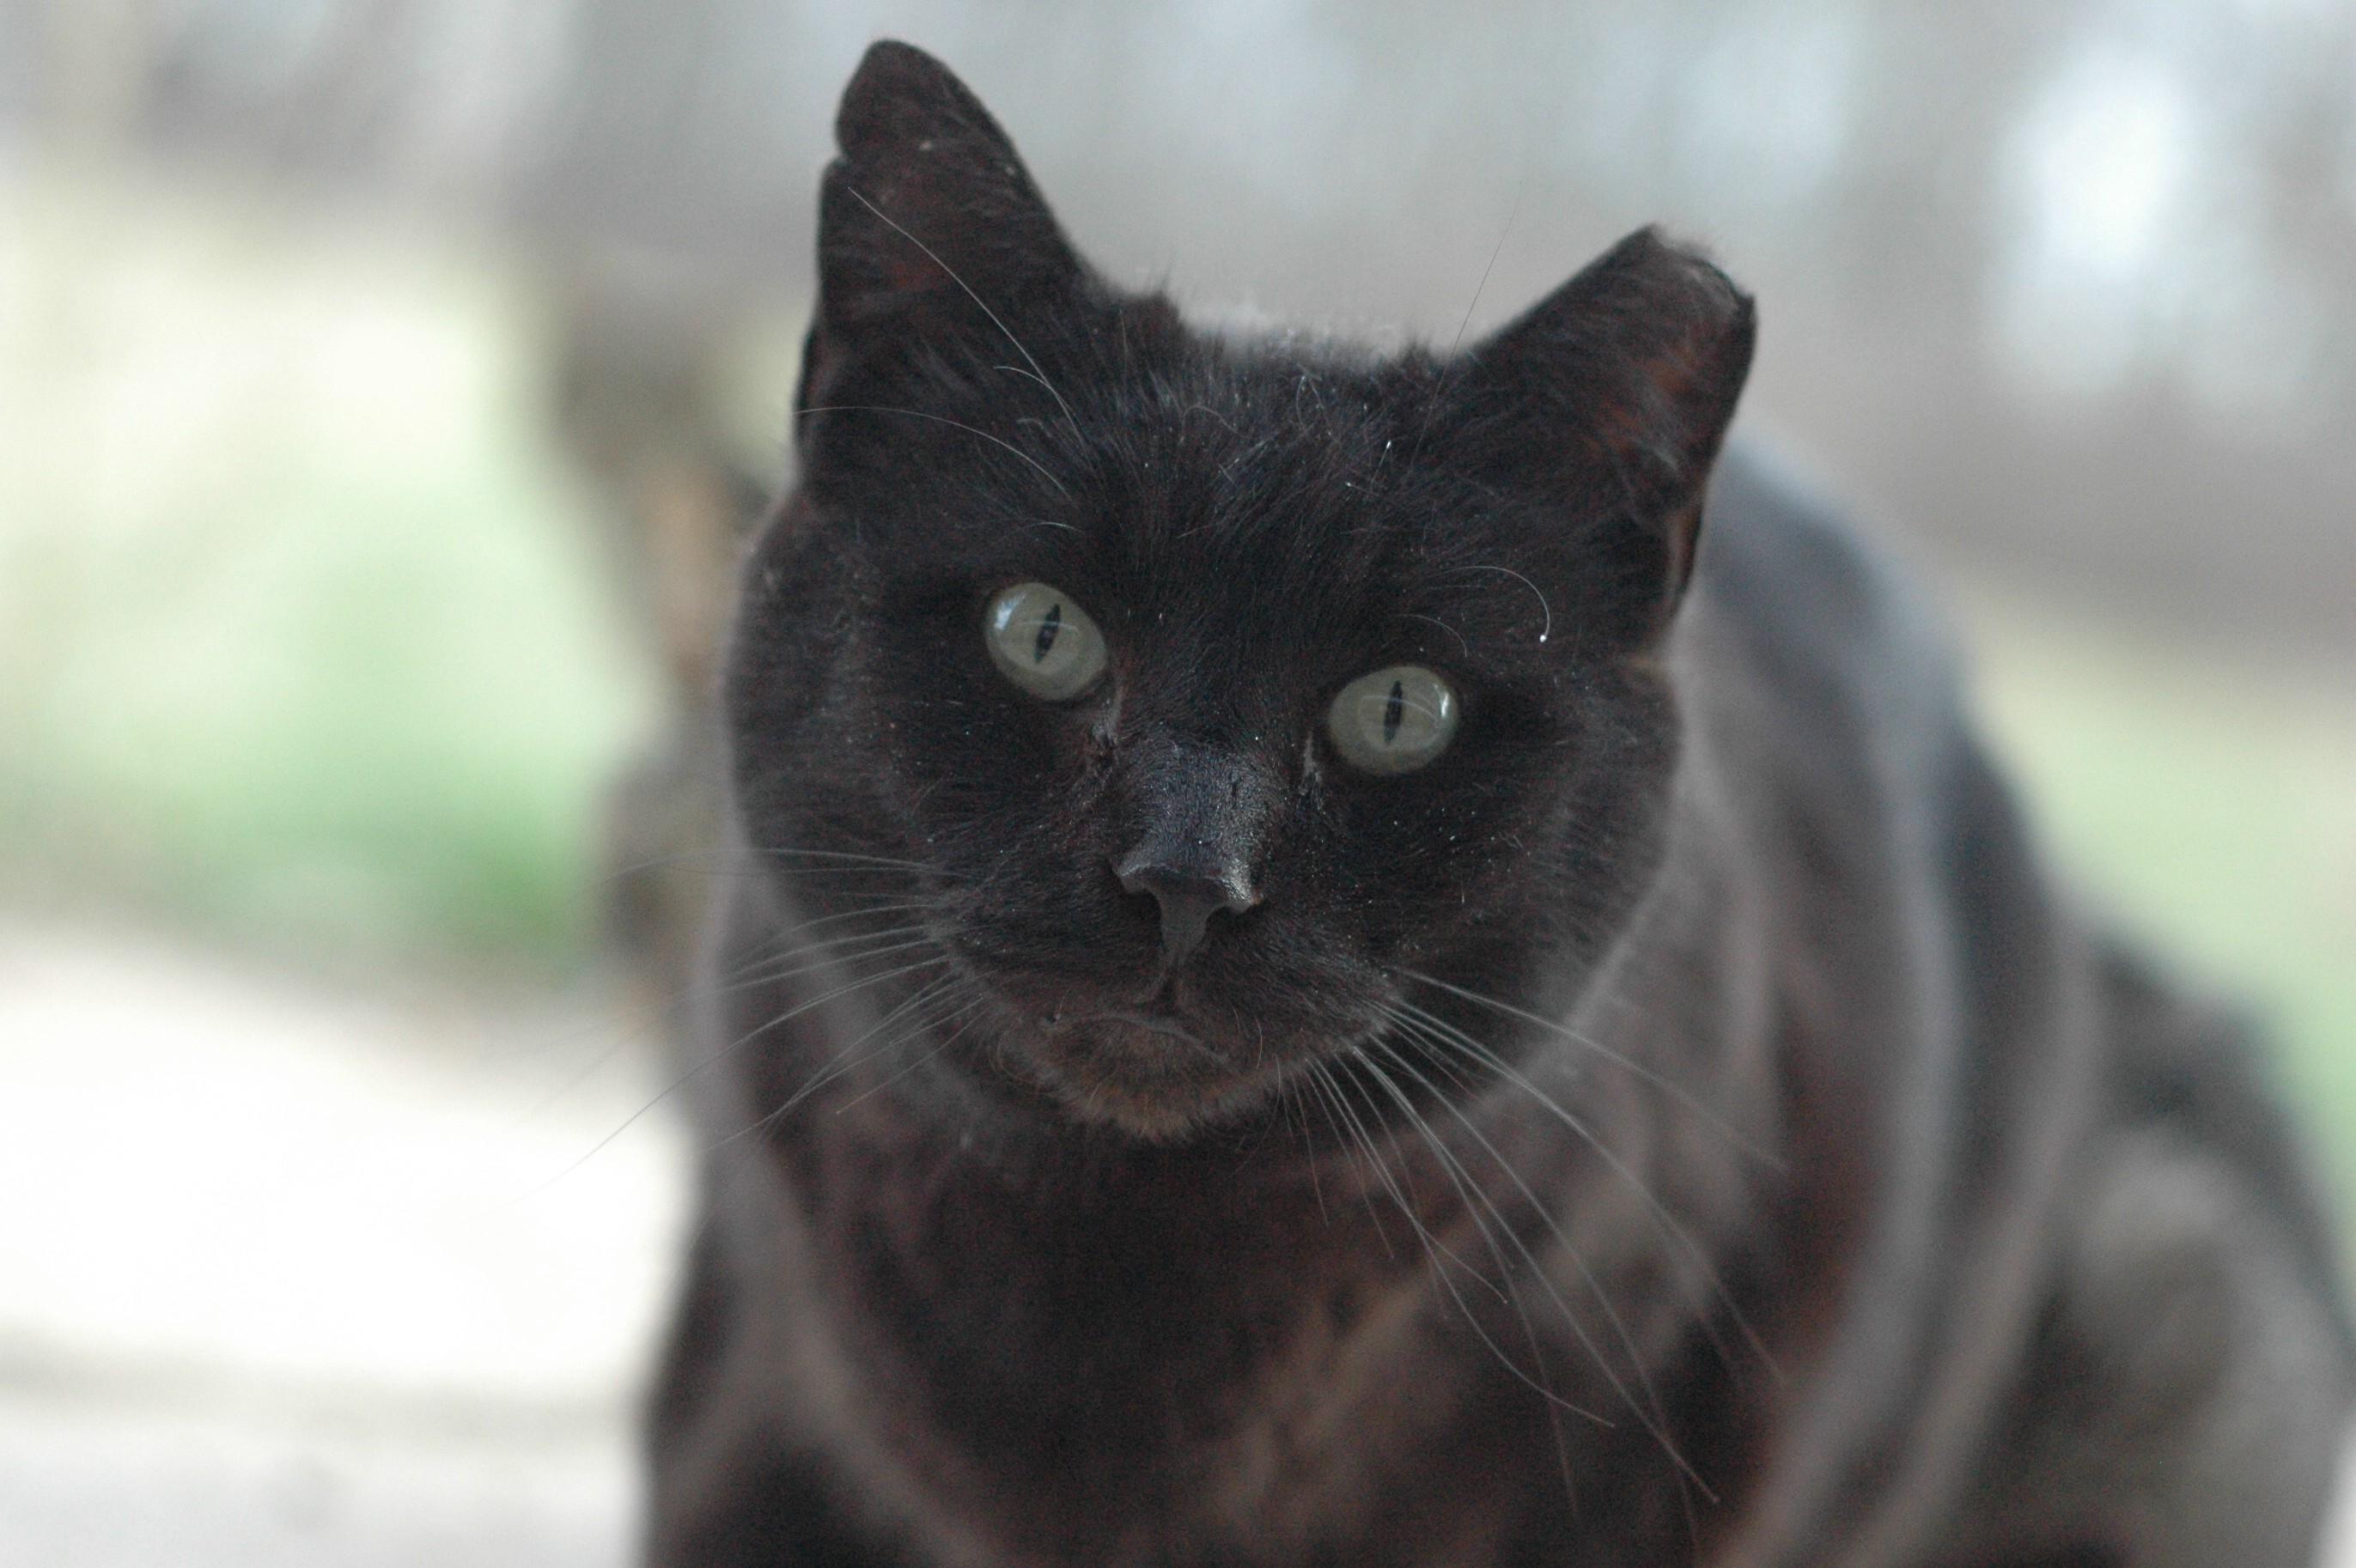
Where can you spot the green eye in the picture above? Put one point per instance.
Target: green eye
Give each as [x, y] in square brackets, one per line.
[1394, 720]
[1045, 643]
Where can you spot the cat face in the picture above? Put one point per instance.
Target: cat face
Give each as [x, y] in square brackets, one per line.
[1212, 685]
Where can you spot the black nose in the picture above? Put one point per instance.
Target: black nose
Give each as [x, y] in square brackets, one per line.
[1188, 899]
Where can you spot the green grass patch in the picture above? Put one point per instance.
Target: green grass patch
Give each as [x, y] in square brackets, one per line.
[300, 633]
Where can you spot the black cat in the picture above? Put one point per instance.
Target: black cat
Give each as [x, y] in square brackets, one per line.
[1330, 969]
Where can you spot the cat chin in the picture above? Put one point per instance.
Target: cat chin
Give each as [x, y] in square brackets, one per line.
[1155, 1115]
[1149, 1080]
[1161, 1059]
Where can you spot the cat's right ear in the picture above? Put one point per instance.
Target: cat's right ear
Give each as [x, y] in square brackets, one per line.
[1614, 393]
[930, 231]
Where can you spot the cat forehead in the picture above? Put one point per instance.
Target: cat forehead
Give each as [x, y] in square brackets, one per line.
[1276, 559]
[1294, 472]
[1204, 481]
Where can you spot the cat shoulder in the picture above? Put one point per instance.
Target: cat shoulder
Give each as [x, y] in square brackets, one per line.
[1799, 606]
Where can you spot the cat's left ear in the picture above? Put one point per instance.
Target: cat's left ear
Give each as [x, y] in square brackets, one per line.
[928, 224]
[1614, 393]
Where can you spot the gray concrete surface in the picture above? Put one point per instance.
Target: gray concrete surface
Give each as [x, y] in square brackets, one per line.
[123, 1483]
[294, 1274]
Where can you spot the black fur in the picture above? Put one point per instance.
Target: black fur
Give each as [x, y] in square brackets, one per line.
[1680, 1124]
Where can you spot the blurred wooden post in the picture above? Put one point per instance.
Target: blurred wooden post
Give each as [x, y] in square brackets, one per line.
[640, 401]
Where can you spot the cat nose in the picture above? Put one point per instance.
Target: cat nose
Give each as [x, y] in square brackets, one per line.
[1189, 896]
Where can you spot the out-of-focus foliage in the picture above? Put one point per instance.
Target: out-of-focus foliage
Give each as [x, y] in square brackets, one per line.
[296, 630]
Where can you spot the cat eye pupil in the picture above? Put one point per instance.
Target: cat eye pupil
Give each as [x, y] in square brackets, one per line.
[1043, 642]
[1392, 721]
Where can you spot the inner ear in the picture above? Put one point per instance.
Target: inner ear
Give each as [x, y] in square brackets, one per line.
[1612, 397]
[928, 225]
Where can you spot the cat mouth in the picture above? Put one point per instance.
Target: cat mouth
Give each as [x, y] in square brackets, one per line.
[1156, 1043]
[1151, 1071]
[1160, 1057]
[1155, 1020]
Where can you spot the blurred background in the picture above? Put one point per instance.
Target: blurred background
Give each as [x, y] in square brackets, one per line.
[383, 386]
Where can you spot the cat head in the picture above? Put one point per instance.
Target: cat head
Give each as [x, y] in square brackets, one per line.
[1207, 690]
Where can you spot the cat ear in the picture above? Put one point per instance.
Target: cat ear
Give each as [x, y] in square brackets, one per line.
[928, 225]
[1616, 390]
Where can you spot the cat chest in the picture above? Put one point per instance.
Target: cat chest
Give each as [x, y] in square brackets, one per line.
[1137, 1395]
